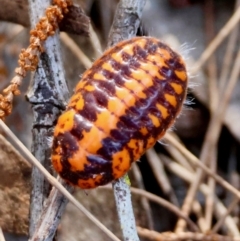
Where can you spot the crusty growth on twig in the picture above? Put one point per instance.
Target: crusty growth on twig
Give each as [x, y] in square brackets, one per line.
[28, 58]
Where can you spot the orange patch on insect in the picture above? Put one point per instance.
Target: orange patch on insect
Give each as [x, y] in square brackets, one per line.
[56, 161]
[171, 99]
[89, 88]
[182, 75]
[116, 106]
[121, 163]
[99, 76]
[137, 147]
[90, 182]
[106, 121]
[91, 140]
[177, 88]
[136, 88]
[78, 160]
[80, 103]
[158, 59]
[141, 43]
[142, 77]
[117, 57]
[125, 95]
[128, 49]
[163, 110]
[152, 70]
[155, 120]
[150, 142]
[107, 66]
[65, 122]
[164, 53]
[144, 130]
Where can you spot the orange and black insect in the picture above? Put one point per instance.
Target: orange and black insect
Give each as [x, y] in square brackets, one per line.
[123, 104]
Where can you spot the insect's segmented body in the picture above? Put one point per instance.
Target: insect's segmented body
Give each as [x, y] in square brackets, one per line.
[123, 104]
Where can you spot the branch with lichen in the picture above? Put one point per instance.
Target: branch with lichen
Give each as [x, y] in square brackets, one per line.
[28, 58]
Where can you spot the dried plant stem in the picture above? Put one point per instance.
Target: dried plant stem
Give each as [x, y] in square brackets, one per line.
[162, 202]
[211, 63]
[30, 158]
[161, 176]
[224, 32]
[144, 201]
[76, 50]
[210, 197]
[184, 236]
[210, 140]
[220, 221]
[179, 157]
[194, 160]
[125, 25]
[189, 177]
[95, 42]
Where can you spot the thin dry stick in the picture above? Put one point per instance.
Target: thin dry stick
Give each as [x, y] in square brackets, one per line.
[211, 66]
[95, 42]
[165, 204]
[179, 157]
[227, 28]
[228, 58]
[197, 209]
[211, 138]
[146, 206]
[213, 91]
[162, 202]
[76, 50]
[209, 206]
[184, 236]
[220, 222]
[30, 158]
[161, 176]
[125, 25]
[193, 159]
[189, 177]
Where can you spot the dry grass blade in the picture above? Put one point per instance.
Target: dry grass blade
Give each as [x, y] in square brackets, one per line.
[162, 202]
[219, 208]
[144, 201]
[219, 223]
[29, 157]
[216, 41]
[197, 162]
[161, 176]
